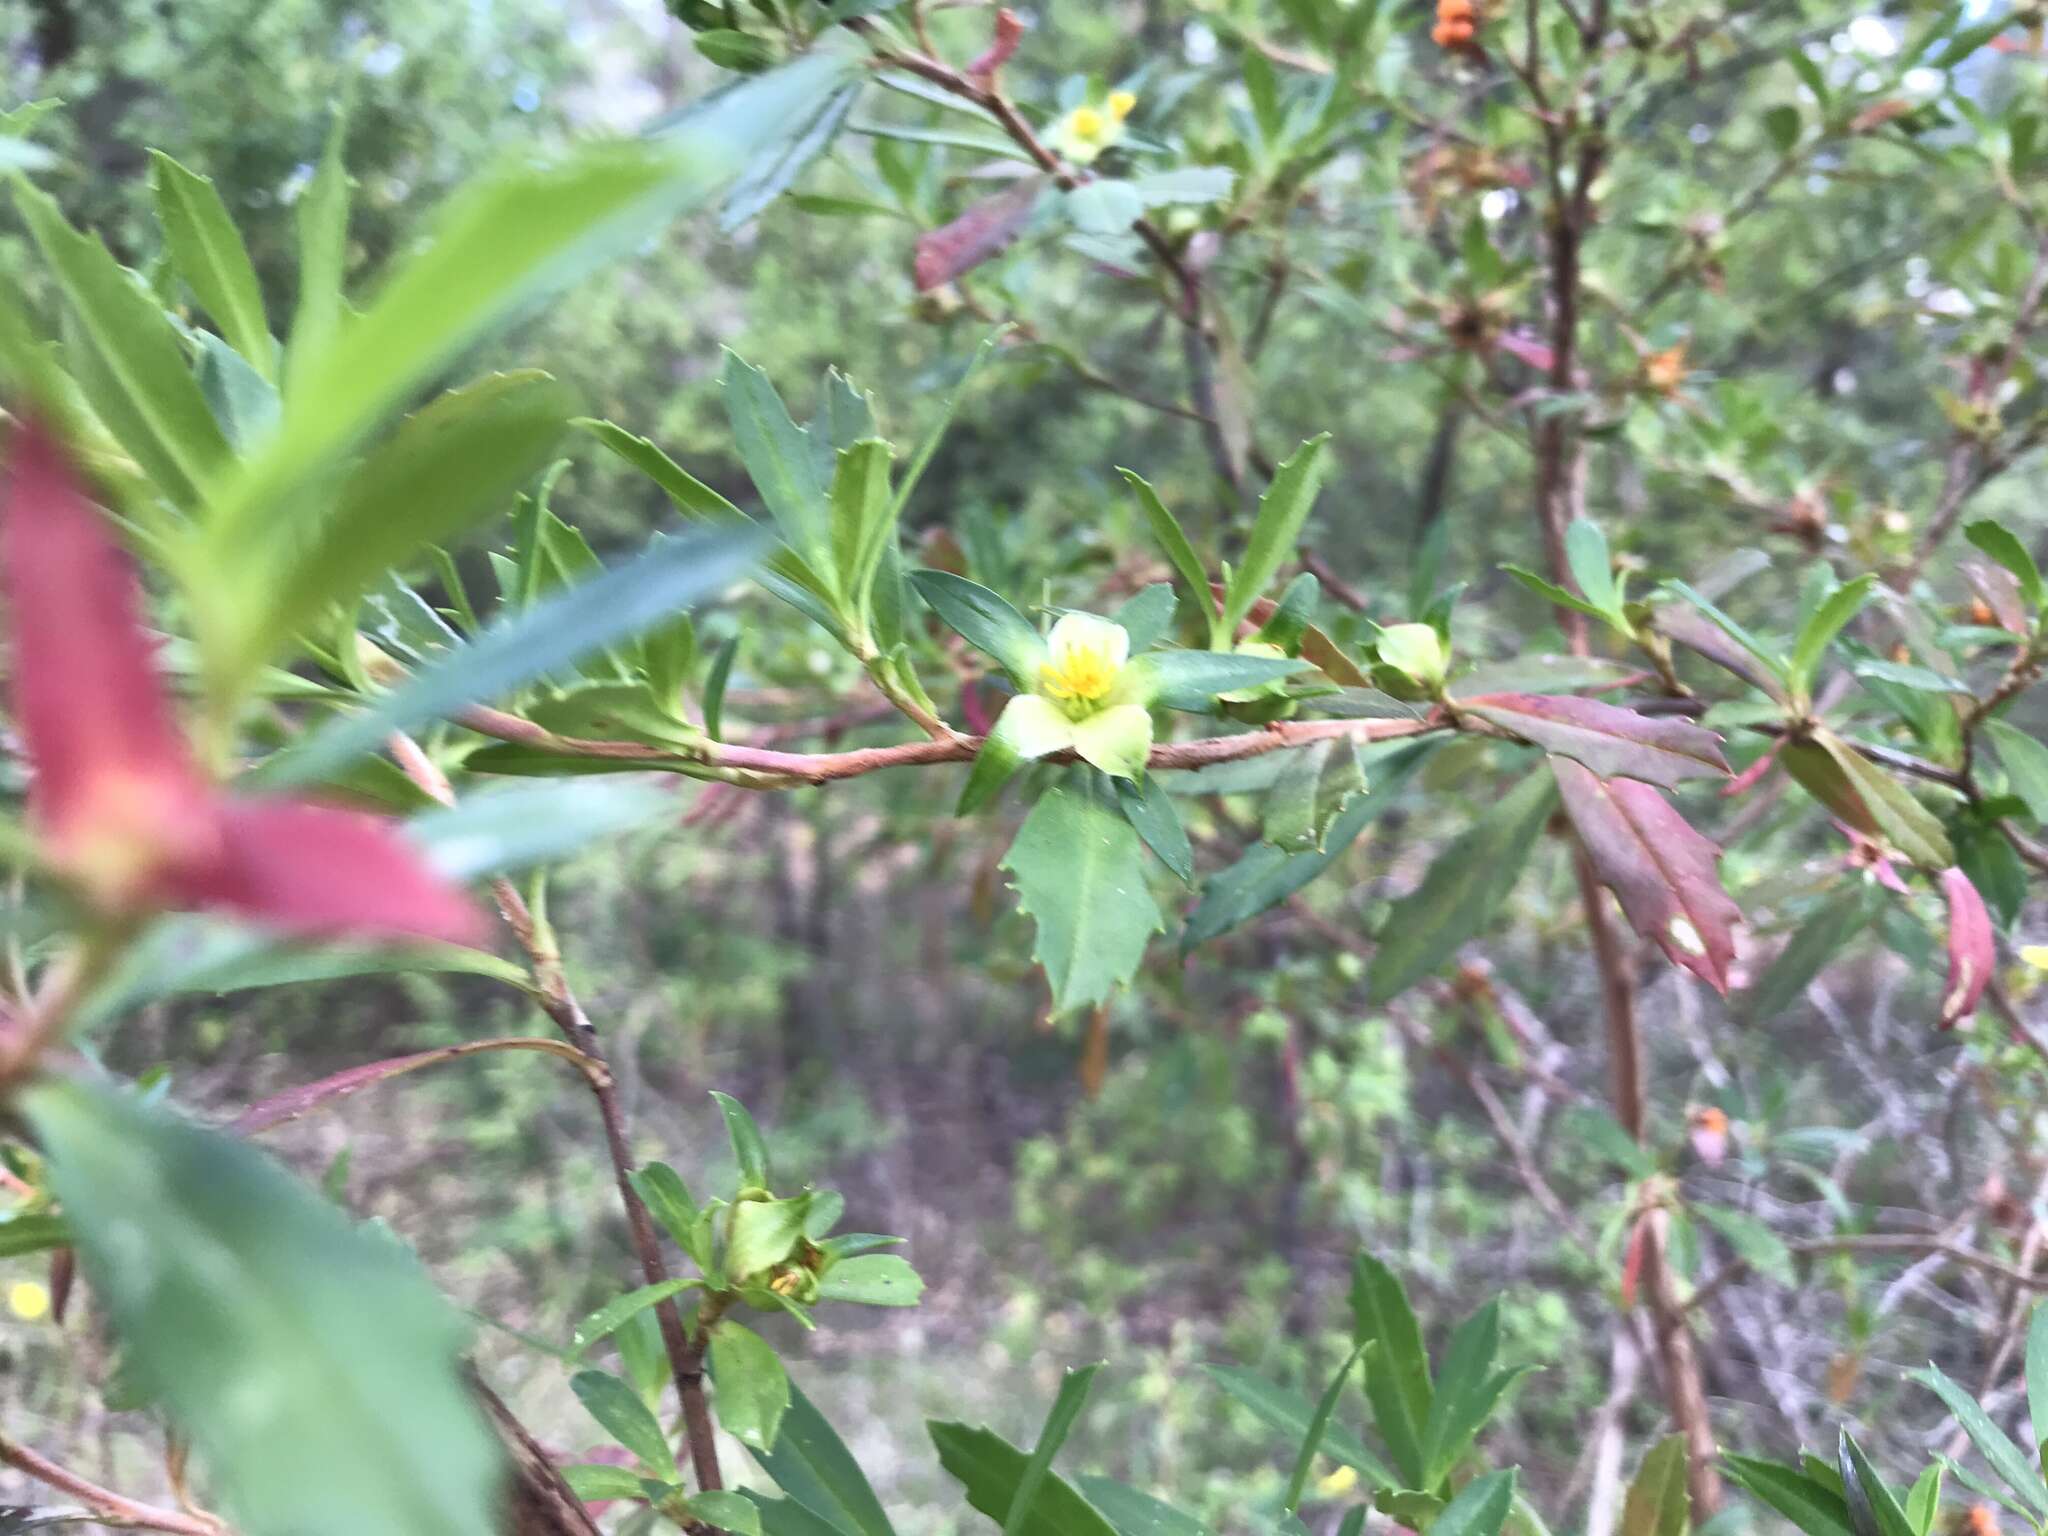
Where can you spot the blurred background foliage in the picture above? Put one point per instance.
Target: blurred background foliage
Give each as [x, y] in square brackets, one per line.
[1188, 1184]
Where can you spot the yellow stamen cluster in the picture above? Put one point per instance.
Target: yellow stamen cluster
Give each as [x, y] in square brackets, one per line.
[1084, 654]
[1083, 676]
[1086, 131]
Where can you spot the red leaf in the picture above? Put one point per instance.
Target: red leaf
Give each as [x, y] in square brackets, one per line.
[1520, 344]
[1972, 952]
[984, 230]
[1632, 1260]
[114, 792]
[1608, 739]
[318, 871]
[1009, 32]
[1999, 591]
[1664, 874]
[307, 1097]
[1747, 779]
[1696, 632]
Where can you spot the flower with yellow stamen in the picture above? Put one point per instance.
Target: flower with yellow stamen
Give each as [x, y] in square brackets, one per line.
[1087, 130]
[2035, 955]
[1084, 654]
[1079, 688]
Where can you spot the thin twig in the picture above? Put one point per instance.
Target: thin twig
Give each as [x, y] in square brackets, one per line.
[107, 1506]
[684, 1346]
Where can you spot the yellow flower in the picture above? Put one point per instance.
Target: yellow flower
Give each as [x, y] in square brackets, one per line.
[2035, 955]
[1088, 130]
[1338, 1483]
[27, 1300]
[1084, 654]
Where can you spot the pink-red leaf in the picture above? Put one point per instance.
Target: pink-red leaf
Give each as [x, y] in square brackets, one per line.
[114, 789]
[1696, 632]
[307, 1097]
[1999, 591]
[984, 230]
[1664, 874]
[315, 870]
[1612, 741]
[1972, 951]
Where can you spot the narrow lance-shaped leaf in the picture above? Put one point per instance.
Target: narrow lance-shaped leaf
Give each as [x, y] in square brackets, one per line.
[212, 259]
[1664, 874]
[1972, 948]
[555, 633]
[1658, 1503]
[1289, 1414]
[1836, 610]
[151, 402]
[1398, 1386]
[1166, 530]
[1312, 1441]
[2002, 545]
[461, 457]
[1282, 511]
[813, 1467]
[1612, 741]
[989, 1470]
[984, 230]
[506, 239]
[297, 1102]
[1059, 1422]
[986, 621]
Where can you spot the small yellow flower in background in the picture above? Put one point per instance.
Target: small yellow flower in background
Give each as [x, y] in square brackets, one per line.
[27, 1300]
[1338, 1483]
[1088, 130]
[1084, 654]
[2035, 955]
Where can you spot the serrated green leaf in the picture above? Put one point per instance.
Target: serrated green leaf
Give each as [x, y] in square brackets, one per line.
[154, 405]
[670, 575]
[1078, 870]
[780, 460]
[210, 256]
